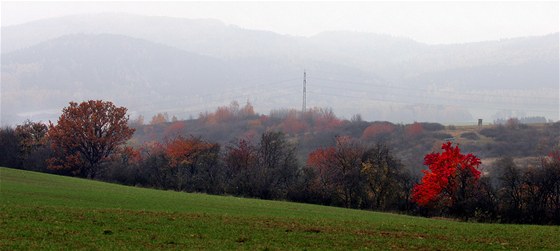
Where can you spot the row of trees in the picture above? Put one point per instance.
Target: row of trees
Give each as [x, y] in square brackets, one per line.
[352, 174]
[349, 175]
[25, 146]
[267, 169]
[526, 194]
[89, 139]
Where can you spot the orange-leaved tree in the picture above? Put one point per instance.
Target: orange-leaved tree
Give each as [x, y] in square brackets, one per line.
[194, 164]
[449, 180]
[86, 135]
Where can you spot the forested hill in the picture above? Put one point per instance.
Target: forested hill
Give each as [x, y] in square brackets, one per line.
[312, 157]
[187, 66]
[526, 143]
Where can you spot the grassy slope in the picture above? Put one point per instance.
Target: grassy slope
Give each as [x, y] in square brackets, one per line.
[53, 212]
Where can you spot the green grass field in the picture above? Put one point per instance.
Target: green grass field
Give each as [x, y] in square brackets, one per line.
[41, 211]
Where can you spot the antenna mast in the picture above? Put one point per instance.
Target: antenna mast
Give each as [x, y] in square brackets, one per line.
[303, 107]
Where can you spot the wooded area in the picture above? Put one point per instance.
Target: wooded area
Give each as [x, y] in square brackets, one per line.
[313, 157]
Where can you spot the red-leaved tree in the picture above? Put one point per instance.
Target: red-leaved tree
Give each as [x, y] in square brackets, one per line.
[86, 135]
[450, 180]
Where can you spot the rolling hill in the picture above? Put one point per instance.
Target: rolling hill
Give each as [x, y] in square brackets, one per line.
[186, 66]
[113, 67]
[42, 211]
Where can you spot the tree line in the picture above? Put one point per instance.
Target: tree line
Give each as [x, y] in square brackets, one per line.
[89, 140]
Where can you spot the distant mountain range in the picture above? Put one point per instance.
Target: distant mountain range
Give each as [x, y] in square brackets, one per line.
[185, 66]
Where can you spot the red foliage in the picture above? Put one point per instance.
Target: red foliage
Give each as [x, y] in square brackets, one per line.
[321, 158]
[183, 151]
[222, 114]
[128, 155]
[175, 129]
[323, 162]
[554, 155]
[87, 134]
[413, 130]
[293, 125]
[159, 118]
[152, 148]
[247, 110]
[31, 135]
[377, 129]
[228, 113]
[325, 119]
[442, 180]
[241, 156]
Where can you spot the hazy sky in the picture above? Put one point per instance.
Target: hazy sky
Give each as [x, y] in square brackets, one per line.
[430, 22]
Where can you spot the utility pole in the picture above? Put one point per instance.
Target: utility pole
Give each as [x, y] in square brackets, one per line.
[303, 106]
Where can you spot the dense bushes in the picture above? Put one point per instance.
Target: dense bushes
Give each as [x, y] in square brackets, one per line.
[470, 135]
[9, 148]
[351, 174]
[527, 194]
[26, 146]
[352, 164]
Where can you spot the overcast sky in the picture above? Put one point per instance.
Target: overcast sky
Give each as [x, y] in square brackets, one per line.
[430, 22]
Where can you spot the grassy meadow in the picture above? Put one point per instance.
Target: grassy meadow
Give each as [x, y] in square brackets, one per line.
[42, 211]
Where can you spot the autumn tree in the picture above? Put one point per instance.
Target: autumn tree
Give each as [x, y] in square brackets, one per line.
[124, 167]
[247, 110]
[550, 186]
[31, 135]
[359, 176]
[383, 173]
[324, 119]
[160, 118]
[267, 169]
[509, 181]
[194, 164]
[339, 170]
[321, 161]
[241, 163]
[528, 194]
[228, 113]
[293, 125]
[378, 130]
[155, 165]
[278, 165]
[450, 180]
[413, 130]
[32, 143]
[174, 129]
[86, 135]
[138, 121]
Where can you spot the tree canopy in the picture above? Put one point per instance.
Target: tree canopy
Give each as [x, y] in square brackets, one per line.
[86, 135]
[449, 176]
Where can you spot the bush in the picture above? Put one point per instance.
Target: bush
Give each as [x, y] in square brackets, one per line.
[442, 136]
[470, 135]
[492, 132]
[432, 126]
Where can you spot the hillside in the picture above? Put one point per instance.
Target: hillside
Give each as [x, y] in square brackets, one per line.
[42, 211]
[188, 66]
[319, 129]
[48, 75]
